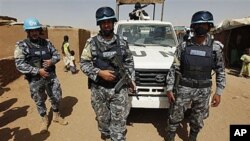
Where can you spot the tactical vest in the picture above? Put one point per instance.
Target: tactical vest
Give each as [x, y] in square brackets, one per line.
[101, 54]
[38, 54]
[197, 62]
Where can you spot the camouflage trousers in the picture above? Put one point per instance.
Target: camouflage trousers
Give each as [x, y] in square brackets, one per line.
[199, 99]
[42, 88]
[111, 111]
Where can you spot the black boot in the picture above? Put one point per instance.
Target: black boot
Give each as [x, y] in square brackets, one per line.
[192, 135]
[105, 137]
[170, 136]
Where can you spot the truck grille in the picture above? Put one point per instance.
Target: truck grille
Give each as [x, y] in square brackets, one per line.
[150, 77]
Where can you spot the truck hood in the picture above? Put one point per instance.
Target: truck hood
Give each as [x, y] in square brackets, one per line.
[152, 57]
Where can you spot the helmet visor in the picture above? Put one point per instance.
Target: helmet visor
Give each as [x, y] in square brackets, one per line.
[203, 17]
[104, 13]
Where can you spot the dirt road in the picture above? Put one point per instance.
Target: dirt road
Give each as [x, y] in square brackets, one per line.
[19, 120]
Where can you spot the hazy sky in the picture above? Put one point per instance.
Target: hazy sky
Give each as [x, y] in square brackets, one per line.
[81, 13]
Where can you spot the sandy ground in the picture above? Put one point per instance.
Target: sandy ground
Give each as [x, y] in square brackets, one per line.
[19, 120]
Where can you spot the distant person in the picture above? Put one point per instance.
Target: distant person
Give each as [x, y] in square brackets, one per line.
[66, 53]
[138, 13]
[36, 57]
[158, 36]
[245, 70]
[111, 105]
[72, 64]
[191, 76]
[159, 33]
[187, 36]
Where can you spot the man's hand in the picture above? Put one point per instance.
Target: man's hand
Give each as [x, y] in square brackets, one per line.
[43, 73]
[107, 75]
[215, 100]
[47, 63]
[170, 96]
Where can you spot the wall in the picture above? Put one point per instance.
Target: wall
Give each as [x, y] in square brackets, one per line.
[9, 35]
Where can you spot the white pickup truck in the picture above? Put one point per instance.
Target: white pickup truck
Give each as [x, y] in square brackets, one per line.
[153, 43]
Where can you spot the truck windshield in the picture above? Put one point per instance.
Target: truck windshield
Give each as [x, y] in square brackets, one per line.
[148, 34]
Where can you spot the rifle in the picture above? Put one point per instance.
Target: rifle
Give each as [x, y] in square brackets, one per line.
[145, 5]
[177, 80]
[45, 81]
[125, 79]
[176, 83]
[139, 13]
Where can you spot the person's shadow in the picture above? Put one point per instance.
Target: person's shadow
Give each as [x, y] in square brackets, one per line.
[13, 114]
[159, 118]
[66, 106]
[3, 90]
[5, 105]
[10, 115]
[17, 134]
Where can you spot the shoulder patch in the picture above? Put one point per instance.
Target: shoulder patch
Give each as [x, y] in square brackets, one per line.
[217, 45]
[90, 39]
[21, 43]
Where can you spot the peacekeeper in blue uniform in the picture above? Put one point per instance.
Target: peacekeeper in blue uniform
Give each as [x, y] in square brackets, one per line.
[36, 58]
[111, 106]
[191, 77]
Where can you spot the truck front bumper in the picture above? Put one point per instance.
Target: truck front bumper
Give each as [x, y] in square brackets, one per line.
[149, 101]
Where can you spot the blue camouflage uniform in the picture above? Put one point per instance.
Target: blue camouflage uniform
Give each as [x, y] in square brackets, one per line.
[28, 59]
[194, 91]
[111, 107]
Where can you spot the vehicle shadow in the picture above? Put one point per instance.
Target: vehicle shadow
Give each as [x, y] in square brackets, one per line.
[159, 118]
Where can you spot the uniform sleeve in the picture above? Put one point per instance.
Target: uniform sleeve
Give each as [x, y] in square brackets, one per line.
[86, 62]
[20, 56]
[55, 55]
[175, 66]
[219, 67]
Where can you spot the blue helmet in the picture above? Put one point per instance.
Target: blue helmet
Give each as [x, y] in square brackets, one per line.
[105, 13]
[202, 17]
[31, 23]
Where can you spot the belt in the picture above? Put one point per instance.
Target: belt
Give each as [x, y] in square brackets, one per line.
[195, 84]
[106, 84]
[38, 77]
